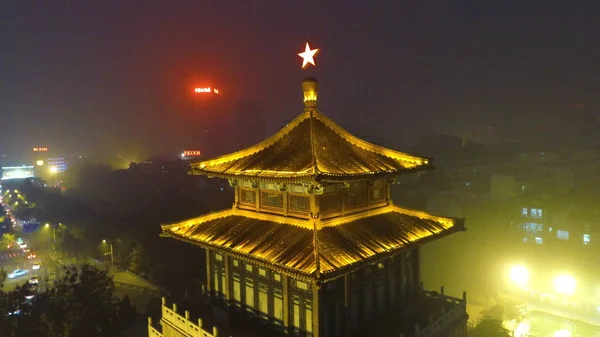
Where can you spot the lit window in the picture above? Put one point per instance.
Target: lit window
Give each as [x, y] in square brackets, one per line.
[248, 267]
[236, 263]
[562, 235]
[237, 294]
[249, 293]
[586, 239]
[219, 257]
[524, 211]
[539, 240]
[263, 304]
[536, 213]
[277, 277]
[262, 272]
[380, 265]
[301, 285]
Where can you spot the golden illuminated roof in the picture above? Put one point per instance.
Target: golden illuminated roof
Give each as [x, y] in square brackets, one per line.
[311, 147]
[291, 246]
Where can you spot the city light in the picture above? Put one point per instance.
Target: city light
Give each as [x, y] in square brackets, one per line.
[47, 225]
[565, 284]
[53, 169]
[40, 163]
[519, 275]
[206, 90]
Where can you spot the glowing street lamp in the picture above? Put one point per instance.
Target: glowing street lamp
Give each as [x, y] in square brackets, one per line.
[112, 255]
[519, 275]
[53, 169]
[565, 284]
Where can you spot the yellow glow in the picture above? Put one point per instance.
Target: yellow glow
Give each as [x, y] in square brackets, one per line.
[47, 225]
[519, 275]
[40, 162]
[103, 241]
[562, 333]
[522, 330]
[565, 284]
[406, 160]
[308, 56]
[53, 169]
[192, 229]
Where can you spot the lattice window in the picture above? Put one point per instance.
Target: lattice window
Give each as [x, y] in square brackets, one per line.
[355, 195]
[270, 199]
[248, 197]
[299, 204]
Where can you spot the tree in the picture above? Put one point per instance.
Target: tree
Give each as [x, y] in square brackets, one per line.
[138, 260]
[82, 303]
[3, 276]
[6, 240]
[489, 327]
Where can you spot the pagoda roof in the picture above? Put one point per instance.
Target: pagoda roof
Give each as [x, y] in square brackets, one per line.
[313, 248]
[310, 148]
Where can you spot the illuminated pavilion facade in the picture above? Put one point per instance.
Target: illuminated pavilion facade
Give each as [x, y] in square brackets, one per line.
[313, 245]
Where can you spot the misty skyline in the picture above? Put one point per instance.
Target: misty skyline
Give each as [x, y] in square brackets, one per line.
[95, 78]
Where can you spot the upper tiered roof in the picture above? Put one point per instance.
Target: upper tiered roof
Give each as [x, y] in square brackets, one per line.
[311, 148]
[310, 248]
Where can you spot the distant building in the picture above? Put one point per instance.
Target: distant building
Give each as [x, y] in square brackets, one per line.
[313, 245]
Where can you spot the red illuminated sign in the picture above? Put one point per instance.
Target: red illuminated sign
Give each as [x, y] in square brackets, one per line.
[191, 153]
[40, 149]
[206, 90]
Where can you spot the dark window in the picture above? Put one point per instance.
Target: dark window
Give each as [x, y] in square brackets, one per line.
[355, 195]
[329, 202]
[377, 193]
[269, 199]
[298, 203]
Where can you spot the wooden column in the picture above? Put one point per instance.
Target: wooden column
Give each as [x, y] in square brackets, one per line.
[208, 272]
[258, 196]
[286, 301]
[342, 200]
[237, 196]
[315, 309]
[285, 203]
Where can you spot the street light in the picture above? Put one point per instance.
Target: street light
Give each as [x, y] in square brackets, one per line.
[112, 256]
[519, 275]
[565, 284]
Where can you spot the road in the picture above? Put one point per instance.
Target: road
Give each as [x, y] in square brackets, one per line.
[15, 259]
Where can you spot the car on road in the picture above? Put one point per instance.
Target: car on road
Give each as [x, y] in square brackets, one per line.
[31, 256]
[26, 250]
[18, 273]
[35, 266]
[34, 280]
[23, 245]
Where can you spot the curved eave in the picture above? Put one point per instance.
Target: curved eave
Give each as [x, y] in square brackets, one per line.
[320, 177]
[459, 226]
[257, 261]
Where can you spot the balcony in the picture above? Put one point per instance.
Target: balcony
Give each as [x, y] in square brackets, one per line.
[175, 325]
[437, 315]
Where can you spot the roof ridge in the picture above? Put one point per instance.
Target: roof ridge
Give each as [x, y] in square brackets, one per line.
[363, 144]
[270, 141]
[313, 152]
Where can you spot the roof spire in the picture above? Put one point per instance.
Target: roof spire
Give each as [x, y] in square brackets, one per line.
[310, 88]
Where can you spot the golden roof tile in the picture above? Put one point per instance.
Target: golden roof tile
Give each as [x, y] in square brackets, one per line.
[311, 147]
[290, 247]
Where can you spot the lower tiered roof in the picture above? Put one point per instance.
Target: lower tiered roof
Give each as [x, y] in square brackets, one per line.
[313, 248]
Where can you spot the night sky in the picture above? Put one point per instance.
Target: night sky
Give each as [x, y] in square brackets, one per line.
[97, 77]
